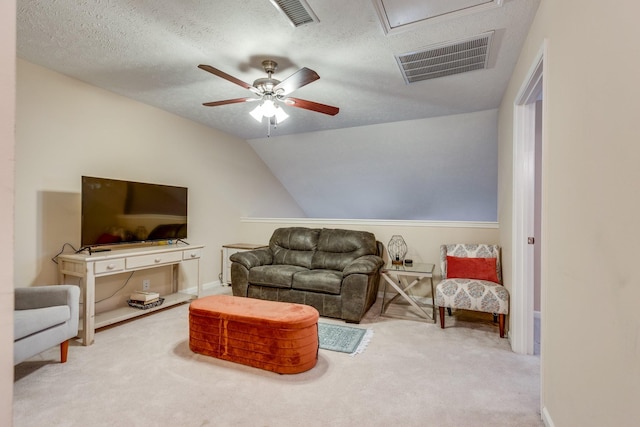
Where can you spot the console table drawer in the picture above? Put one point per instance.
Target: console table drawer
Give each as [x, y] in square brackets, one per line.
[191, 254]
[154, 259]
[109, 266]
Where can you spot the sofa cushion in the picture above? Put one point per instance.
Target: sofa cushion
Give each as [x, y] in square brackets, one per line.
[324, 281]
[276, 276]
[338, 248]
[27, 322]
[294, 246]
[470, 294]
[254, 258]
[368, 264]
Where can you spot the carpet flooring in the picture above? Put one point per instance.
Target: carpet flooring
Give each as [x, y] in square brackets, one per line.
[142, 373]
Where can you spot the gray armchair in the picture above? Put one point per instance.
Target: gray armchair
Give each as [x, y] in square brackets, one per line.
[44, 316]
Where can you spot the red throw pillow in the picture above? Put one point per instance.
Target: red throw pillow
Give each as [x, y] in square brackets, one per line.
[472, 268]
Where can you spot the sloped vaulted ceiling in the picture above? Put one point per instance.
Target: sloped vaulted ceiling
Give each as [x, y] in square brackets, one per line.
[443, 168]
[149, 51]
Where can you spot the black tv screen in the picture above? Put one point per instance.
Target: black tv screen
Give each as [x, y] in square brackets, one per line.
[115, 211]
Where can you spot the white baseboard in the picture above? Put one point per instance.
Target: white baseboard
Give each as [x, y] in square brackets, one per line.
[217, 289]
[546, 418]
[211, 288]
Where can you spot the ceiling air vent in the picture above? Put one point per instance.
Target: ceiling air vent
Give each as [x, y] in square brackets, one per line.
[446, 59]
[297, 11]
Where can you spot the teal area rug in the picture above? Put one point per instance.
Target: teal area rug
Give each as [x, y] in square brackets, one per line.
[345, 339]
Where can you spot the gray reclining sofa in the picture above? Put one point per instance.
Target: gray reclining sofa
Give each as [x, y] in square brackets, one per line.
[336, 271]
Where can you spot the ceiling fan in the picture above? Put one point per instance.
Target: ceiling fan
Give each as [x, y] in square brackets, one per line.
[273, 92]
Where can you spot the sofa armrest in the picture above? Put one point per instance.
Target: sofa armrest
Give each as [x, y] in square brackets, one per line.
[255, 258]
[367, 264]
[46, 296]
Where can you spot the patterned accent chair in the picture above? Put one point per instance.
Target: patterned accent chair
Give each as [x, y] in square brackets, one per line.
[472, 280]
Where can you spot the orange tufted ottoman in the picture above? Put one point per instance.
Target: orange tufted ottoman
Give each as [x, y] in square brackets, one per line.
[276, 336]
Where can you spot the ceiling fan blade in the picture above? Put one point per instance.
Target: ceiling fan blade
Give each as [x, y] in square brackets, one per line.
[227, 77]
[228, 101]
[313, 106]
[300, 78]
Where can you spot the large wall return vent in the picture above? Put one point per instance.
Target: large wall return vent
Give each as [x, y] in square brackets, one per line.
[297, 11]
[446, 59]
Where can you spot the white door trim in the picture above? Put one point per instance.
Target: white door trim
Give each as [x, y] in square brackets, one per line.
[524, 121]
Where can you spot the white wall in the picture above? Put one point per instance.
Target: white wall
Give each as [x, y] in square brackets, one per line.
[66, 129]
[590, 292]
[442, 168]
[7, 139]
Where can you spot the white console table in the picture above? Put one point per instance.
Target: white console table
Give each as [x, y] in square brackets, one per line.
[183, 259]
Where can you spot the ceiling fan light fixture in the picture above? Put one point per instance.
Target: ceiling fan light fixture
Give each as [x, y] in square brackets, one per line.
[268, 107]
[281, 115]
[272, 92]
[256, 113]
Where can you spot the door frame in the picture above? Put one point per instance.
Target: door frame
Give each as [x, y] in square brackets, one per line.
[524, 132]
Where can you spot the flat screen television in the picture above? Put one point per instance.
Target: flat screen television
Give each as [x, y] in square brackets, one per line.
[115, 212]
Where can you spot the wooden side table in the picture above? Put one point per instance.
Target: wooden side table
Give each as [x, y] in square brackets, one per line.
[396, 276]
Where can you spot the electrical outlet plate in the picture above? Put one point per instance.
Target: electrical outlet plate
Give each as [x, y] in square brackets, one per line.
[145, 284]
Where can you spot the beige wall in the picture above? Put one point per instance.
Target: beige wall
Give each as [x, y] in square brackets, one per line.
[590, 292]
[7, 138]
[423, 238]
[66, 129]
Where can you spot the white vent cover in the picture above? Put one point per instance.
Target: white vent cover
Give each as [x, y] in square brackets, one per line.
[446, 59]
[297, 11]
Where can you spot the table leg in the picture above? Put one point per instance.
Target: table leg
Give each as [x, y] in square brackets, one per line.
[404, 295]
[88, 309]
[384, 293]
[433, 300]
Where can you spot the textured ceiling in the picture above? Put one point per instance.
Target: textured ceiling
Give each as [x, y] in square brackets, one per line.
[149, 51]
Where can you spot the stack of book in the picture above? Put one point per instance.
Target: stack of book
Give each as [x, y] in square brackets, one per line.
[144, 299]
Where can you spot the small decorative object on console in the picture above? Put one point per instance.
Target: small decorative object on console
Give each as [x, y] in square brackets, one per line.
[144, 296]
[397, 249]
[144, 300]
[145, 305]
[408, 262]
